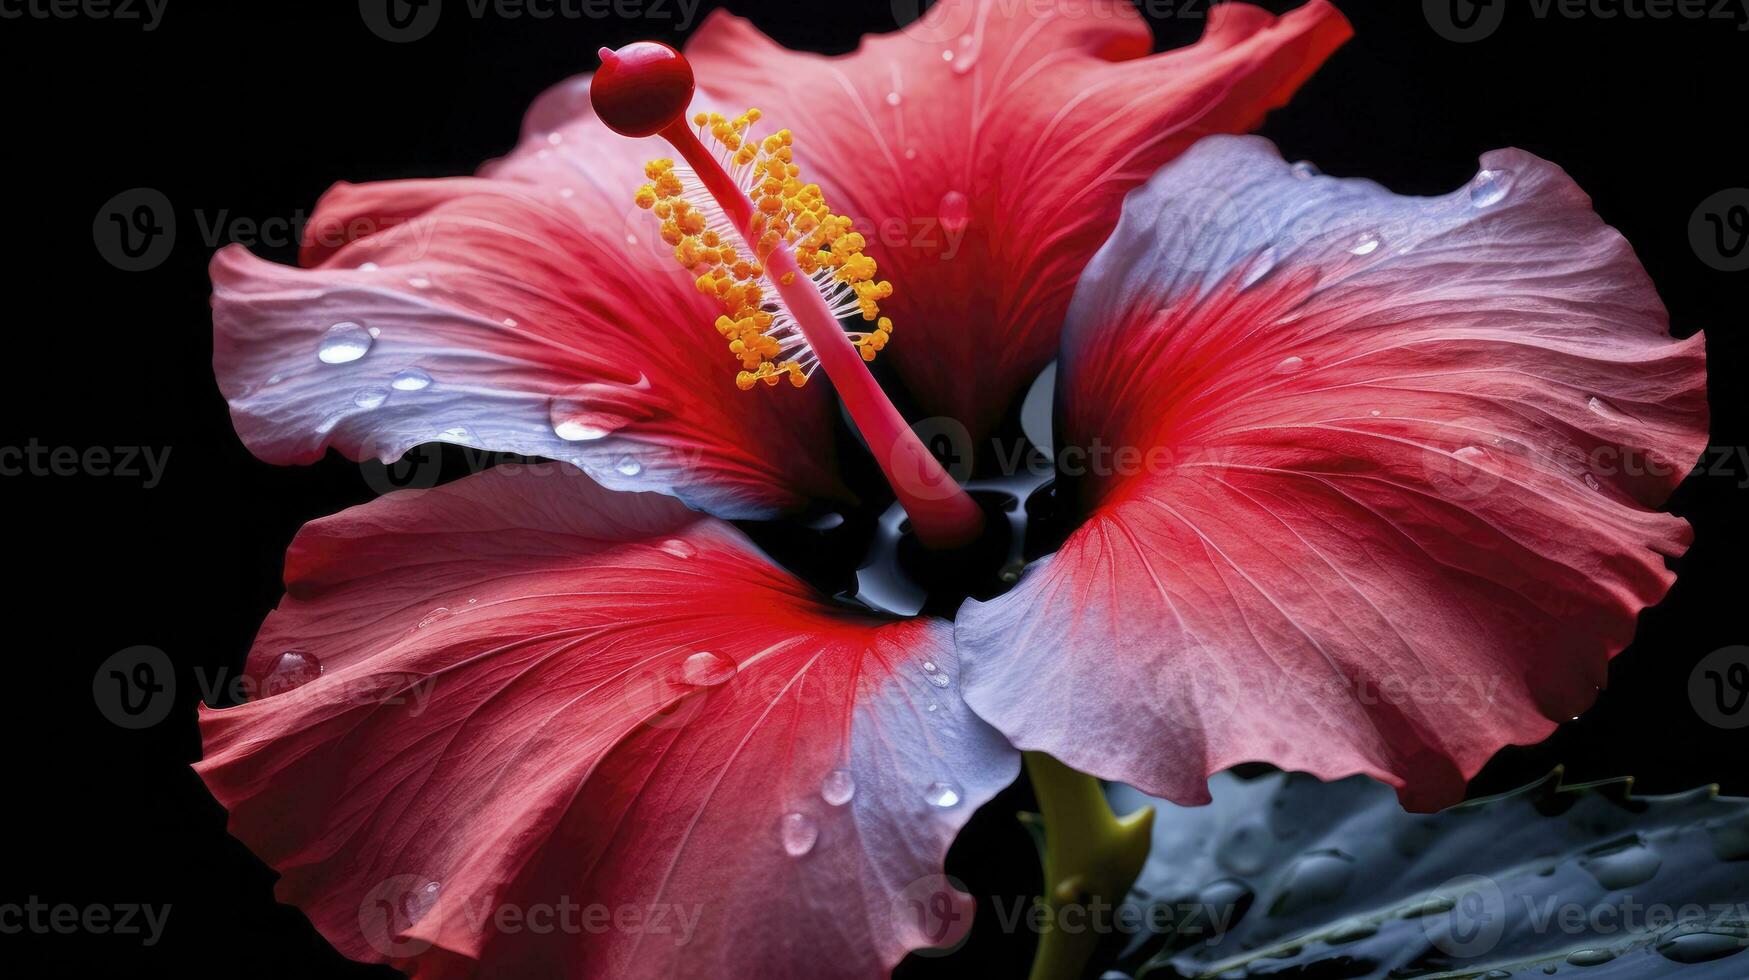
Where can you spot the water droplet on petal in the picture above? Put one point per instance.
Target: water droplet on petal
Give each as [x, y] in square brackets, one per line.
[455, 433]
[567, 193]
[954, 211]
[1375, 413]
[627, 466]
[1590, 957]
[1260, 266]
[894, 98]
[370, 397]
[1474, 455]
[935, 675]
[574, 420]
[1701, 947]
[1316, 878]
[1366, 243]
[678, 548]
[943, 794]
[1303, 170]
[1289, 365]
[343, 343]
[510, 321]
[798, 832]
[419, 282]
[1591, 481]
[293, 668]
[838, 787]
[965, 56]
[1605, 410]
[707, 668]
[368, 267]
[416, 903]
[910, 153]
[1489, 188]
[555, 138]
[411, 379]
[1622, 864]
[434, 616]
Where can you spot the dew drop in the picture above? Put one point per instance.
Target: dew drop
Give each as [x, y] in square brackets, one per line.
[1316, 878]
[419, 282]
[567, 193]
[707, 668]
[894, 98]
[1474, 455]
[798, 833]
[1289, 365]
[1260, 266]
[416, 903]
[434, 616]
[368, 267]
[910, 153]
[370, 397]
[510, 321]
[838, 787]
[935, 674]
[1245, 849]
[1622, 864]
[1375, 413]
[573, 420]
[1590, 957]
[411, 379]
[293, 668]
[1591, 481]
[1605, 410]
[965, 57]
[455, 433]
[1352, 932]
[343, 343]
[678, 548]
[1489, 188]
[943, 794]
[1303, 170]
[555, 138]
[628, 466]
[954, 211]
[1701, 947]
[1366, 243]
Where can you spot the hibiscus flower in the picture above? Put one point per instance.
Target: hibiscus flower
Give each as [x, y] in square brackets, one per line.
[537, 722]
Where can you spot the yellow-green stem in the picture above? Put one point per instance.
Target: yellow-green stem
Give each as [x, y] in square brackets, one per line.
[1089, 853]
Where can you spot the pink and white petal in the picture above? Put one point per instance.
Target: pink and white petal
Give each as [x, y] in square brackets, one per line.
[985, 150]
[511, 316]
[506, 723]
[1379, 482]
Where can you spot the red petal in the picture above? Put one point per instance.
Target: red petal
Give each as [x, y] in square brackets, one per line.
[501, 713]
[544, 330]
[1397, 511]
[989, 184]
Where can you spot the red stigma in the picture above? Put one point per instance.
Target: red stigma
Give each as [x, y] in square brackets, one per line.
[641, 88]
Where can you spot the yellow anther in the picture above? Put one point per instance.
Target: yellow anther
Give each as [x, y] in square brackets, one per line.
[786, 212]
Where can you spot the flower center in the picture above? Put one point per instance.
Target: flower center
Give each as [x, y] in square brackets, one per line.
[760, 329]
[783, 265]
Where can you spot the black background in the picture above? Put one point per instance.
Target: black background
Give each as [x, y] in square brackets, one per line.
[253, 111]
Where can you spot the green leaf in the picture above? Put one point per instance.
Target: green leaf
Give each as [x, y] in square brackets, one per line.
[1285, 876]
